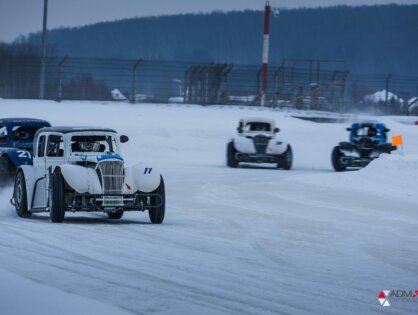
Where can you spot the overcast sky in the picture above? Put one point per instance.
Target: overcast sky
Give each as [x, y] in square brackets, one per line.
[20, 17]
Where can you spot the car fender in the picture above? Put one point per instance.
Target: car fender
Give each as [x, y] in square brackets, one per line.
[31, 176]
[81, 179]
[244, 145]
[140, 178]
[276, 146]
[17, 157]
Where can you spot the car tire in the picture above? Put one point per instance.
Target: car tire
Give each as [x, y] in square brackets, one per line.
[157, 214]
[20, 197]
[286, 159]
[230, 155]
[115, 215]
[336, 160]
[6, 171]
[57, 198]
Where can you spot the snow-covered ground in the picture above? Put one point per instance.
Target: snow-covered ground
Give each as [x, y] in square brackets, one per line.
[253, 240]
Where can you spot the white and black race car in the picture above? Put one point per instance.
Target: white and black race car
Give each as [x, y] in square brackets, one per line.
[257, 141]
[81, 169]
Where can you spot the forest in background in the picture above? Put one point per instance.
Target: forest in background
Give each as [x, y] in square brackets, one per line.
[372, 39]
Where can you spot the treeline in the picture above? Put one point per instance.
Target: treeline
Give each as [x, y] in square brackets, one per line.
[373, 39]
[20, 66]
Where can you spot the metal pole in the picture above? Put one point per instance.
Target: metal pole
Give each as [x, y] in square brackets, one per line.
[318, 70]
[266, 40]
[343, 81]
[133, 91]
[342, 98]
[310, 71]
[387, 90]
[43, 58]
[60, 65]
[258, 80]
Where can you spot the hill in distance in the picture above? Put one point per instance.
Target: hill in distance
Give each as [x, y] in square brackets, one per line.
[372, 39]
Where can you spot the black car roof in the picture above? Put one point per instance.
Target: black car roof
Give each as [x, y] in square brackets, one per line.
[65, 130]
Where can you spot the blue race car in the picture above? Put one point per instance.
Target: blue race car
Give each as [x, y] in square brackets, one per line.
[367, 142]
[16, 144]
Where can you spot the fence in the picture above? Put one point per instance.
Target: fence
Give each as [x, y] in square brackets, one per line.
[301, 84]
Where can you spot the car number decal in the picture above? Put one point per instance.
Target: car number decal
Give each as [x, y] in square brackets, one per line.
[23, 154]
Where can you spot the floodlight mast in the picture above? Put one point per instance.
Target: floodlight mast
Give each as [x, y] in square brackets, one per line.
[43, 57]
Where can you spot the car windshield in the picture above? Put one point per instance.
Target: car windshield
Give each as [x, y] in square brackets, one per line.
[92, 144]
[3, 133]
[368, 132]
[24, 133]
[257, 126]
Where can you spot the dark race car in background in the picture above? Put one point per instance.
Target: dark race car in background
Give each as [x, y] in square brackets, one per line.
[367, 142]
[16, 144]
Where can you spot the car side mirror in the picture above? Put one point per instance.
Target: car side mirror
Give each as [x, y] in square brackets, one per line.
[124, 139]
[387, 130]
[276, 130]
[239, 129]
[348, 129]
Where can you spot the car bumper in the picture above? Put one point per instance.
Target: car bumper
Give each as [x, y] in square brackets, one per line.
[114, 202]
[256, 158]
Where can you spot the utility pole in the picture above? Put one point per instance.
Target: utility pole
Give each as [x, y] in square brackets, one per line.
[266, 39]
[43, 58]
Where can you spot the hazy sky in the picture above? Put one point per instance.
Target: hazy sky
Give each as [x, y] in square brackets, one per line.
[20, 17]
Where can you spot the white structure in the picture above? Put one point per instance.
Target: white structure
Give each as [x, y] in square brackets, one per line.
[380, 96]
[117, 95]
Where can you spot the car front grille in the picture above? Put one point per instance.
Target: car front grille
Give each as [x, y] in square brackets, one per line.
[111, 177]
[261, 143]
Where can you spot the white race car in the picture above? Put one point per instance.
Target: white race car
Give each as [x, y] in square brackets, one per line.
[81, 169]
[257, 142]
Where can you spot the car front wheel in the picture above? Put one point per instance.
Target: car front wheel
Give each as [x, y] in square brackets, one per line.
[57, 198]
[336, 158]
[231, 161]
[286, 159]
[157, 212]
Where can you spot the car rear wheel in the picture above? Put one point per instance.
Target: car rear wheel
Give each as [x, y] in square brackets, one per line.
[6, 171]
[57, 198]
[157, 213]
[336, 158]
[20, 197]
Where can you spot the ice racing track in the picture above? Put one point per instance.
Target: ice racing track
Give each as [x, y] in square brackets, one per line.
[235, 241]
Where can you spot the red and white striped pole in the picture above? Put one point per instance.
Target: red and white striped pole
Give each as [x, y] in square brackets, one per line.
[266, 40]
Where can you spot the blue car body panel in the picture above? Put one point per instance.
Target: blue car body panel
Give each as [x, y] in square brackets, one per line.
[380, 138]
[18, 151]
